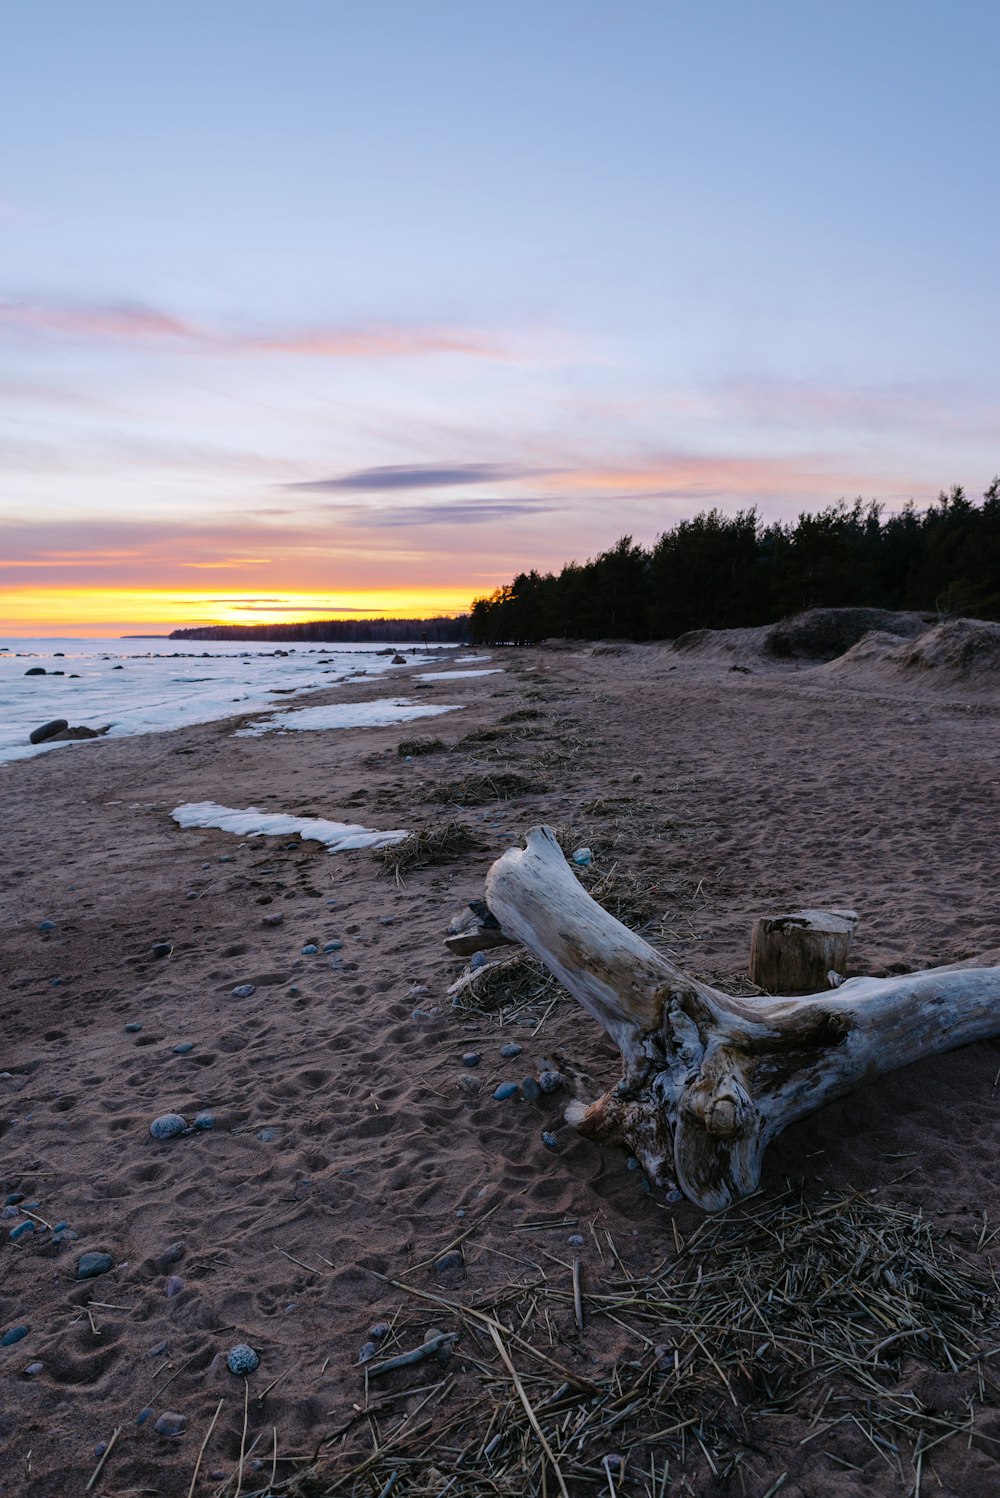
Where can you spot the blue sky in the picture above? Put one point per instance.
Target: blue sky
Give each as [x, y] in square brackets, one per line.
[349, 305]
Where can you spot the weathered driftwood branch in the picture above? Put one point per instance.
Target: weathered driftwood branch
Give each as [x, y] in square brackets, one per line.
[710, 1079]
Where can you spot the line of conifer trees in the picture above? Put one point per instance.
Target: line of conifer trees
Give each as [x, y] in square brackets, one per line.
[722, 571]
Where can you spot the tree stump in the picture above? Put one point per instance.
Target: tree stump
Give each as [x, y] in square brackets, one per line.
[796, 953]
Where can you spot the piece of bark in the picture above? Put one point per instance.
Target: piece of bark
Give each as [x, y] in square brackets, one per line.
[710, 1079]
[795, 952]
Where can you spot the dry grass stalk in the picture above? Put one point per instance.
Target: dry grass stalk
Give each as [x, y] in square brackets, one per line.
[428, 845]
[416, 747]
[481, 788]
[801, 1311]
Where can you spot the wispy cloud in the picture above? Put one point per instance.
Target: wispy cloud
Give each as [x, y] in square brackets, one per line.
[451, 512]
[418, 476]
[127, 322]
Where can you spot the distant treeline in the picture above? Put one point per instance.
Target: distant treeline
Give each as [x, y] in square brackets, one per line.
[723, 571]
[338, 631]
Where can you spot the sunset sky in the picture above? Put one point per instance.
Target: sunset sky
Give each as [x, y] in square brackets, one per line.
[323, 308]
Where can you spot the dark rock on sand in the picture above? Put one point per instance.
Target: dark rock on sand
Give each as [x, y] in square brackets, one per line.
[169, 1423]
[16, 1334]
[93, 1264]
[167, 1126]
[47, 730]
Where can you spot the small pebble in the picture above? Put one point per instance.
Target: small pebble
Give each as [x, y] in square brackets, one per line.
[471, 1058]
[46, 925]
[576, 1240]
[21, 1231]
[368, 1351]
[244, 991]
[161, 949]
[477, 960]
[293, 992]
[505, 1090]
[673, 1195]
[631, 1163]
[174, 1286]
[144, 1415]
[470, 1084]
[309, 950]
[204, 1121]
[171, 1255]
[334, 946]
[550, 1081]
[242, 1359]
[167, 1126]
[451, 1260]
[613, 1462]
[133, 1027]
[549, 1140]
[267, 1135]
[170, 1424]
[34, 1368]
[272, 920]
[93, 1264]
[157, 1350]
[183, 1048]
[418, 990]
[60, 1227]
[64, 1235]
[379, 1331]
[582, 857]
[14, 1198]
[510, 1050]
[15, 1334]
[420, 1014]
[530, 1090]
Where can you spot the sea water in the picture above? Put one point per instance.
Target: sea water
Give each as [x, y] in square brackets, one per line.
[164, 684]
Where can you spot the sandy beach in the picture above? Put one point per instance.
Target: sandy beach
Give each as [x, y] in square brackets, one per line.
[358, 1174]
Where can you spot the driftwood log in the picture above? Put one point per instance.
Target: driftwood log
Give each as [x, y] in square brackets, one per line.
[710, 1079]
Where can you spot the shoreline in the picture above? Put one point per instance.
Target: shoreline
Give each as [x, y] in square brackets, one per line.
[346, 1136]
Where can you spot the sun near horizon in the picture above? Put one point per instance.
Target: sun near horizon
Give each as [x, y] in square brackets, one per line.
[108, 613]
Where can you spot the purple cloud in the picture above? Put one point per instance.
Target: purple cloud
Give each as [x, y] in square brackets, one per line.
[418, 476]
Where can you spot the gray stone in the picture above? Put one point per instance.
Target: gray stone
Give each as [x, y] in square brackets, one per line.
[47, 730]
[471, 1085]
[449, 1261]
[530, 1090]
[46, 925]
[379, 1331]
[161, 949]
[310, 949]
[204, 1121]
[506, 1090]
[549, 1140]
[333, 946]
[133, 1027]
[550, 1081]
[170, 1423]
[183, 1048]
[244, 991]
[471, 1058]
[174, 1286]
[242, 1359]
[510, 1050]
[34, 1368]
[368, 1351]
[93, 1264]
[16, 1334]
[167, 1126]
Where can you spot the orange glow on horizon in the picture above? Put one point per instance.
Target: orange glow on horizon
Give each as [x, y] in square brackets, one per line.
[108, 612]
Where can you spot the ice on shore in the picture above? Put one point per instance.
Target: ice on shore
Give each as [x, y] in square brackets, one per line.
[454, 675]
[338, 836]
[346, 715]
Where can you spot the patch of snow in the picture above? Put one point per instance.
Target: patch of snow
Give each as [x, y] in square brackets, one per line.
[345, 715]
[338, 836]
[453, 675]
